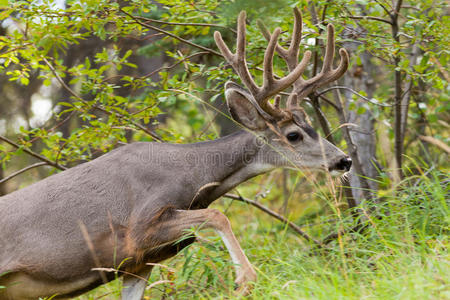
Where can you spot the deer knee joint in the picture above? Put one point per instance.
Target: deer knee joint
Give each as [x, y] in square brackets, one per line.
[218, 219]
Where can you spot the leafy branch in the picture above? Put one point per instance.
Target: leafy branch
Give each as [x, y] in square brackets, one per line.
[95, 106]
[32, 153]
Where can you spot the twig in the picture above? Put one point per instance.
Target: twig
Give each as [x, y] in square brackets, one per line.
[384, 7]
[43, 163]
[32, 153]
[184, 40]
[369, 18]
[438, 143]
[174, 65]
[397, 8]
[16, 48]
[270, 212]
[441, 69]
[328, 101]
[172, 35]
[354, 92]
[184, 24]
[323, 121]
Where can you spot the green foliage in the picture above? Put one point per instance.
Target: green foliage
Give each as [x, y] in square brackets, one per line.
[92, 57]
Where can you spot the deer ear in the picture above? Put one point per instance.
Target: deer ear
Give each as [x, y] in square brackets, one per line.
[242, 110]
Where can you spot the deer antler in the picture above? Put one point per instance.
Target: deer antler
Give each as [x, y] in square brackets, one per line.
[271, 86]
[303, 87]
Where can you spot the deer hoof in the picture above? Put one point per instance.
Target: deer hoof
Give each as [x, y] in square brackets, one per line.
[243, 282]
[243, 290]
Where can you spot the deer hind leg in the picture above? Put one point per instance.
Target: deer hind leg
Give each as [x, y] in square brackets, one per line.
[134, 286]
[169, 229]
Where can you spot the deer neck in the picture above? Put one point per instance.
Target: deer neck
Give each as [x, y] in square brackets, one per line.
[232, 160]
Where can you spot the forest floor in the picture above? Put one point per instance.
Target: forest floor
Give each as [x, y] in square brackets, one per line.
[401, 254]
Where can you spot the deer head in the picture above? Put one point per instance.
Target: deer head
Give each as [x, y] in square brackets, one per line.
[290, 140]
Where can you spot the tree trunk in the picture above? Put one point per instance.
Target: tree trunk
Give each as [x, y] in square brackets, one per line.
[2, 185]
[361, 78]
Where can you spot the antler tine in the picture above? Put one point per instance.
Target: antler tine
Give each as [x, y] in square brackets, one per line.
[296, 36]
[223, 47]
[292, 102]
[268, 59]
[266, 33]
[240, 42]
[276, 103]
[304, 87]
[237, 60]
[329, 50]
[271, 86]
[290, 55]
[327, 74]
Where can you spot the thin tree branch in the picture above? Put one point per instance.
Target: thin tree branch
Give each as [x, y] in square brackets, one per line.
[183, 40]
[438, 143]
[184, 24]
[32, 153]
[369, 18]
[39, 164]
[175, 64]
[354, 92]
[323, 121]
[329, 102]
[270, 212]
[172, 35]
[397, 8]
[384, 7]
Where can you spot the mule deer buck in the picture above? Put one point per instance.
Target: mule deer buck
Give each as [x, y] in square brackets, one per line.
[133, 204]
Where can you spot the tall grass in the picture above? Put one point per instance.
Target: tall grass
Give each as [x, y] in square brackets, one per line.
[401, 254]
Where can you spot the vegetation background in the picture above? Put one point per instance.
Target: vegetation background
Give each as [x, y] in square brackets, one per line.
[79, 78]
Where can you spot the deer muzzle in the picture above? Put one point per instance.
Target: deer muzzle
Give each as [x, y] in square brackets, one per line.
[344, 164]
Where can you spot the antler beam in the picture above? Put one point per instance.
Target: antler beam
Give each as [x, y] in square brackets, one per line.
[271, 86]
[302, 87]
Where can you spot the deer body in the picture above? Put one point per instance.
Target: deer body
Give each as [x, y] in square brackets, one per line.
[129, 207]
[112, 196]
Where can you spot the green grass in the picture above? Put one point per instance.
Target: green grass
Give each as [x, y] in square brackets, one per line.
[402, 254]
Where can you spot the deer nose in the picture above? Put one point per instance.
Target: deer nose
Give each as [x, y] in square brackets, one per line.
[344, 164]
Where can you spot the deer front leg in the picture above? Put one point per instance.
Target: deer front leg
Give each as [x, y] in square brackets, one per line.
[134, 286]
[171, 228]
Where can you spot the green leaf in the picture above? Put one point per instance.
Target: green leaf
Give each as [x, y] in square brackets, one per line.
[361, 110]
[24, 80]
[47, 82]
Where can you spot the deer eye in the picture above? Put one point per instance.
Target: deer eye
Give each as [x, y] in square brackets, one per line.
[294, 136]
